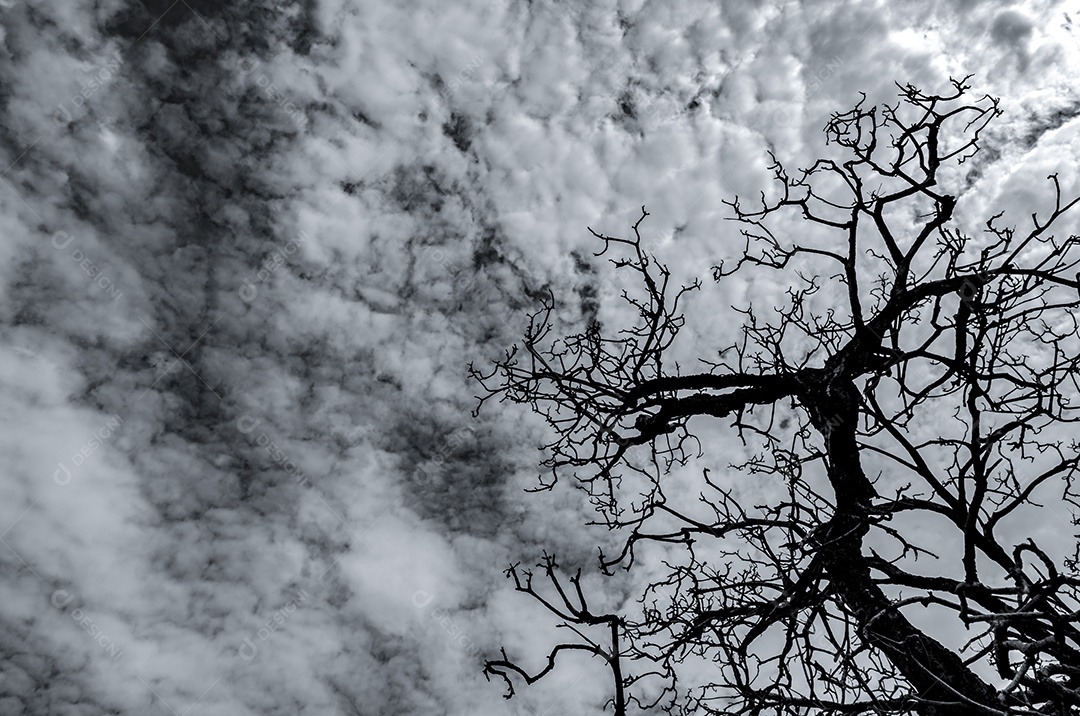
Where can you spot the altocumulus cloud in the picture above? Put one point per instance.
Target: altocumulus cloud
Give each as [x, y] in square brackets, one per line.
[250, 249]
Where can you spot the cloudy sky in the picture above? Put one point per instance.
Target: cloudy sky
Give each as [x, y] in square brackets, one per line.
[249, 250]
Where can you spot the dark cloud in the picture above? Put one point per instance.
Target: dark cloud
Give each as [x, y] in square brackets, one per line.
[1011, 27]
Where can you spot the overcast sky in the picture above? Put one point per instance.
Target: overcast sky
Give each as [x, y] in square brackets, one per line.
[250, 248]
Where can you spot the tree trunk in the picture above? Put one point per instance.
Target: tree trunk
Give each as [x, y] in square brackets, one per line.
[935, 672]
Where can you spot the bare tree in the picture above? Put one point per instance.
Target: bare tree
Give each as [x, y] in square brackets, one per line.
[915, 427]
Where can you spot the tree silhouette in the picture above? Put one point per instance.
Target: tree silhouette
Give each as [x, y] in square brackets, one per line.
[913, 425]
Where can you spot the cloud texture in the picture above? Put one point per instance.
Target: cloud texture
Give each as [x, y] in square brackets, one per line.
[250, 248]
